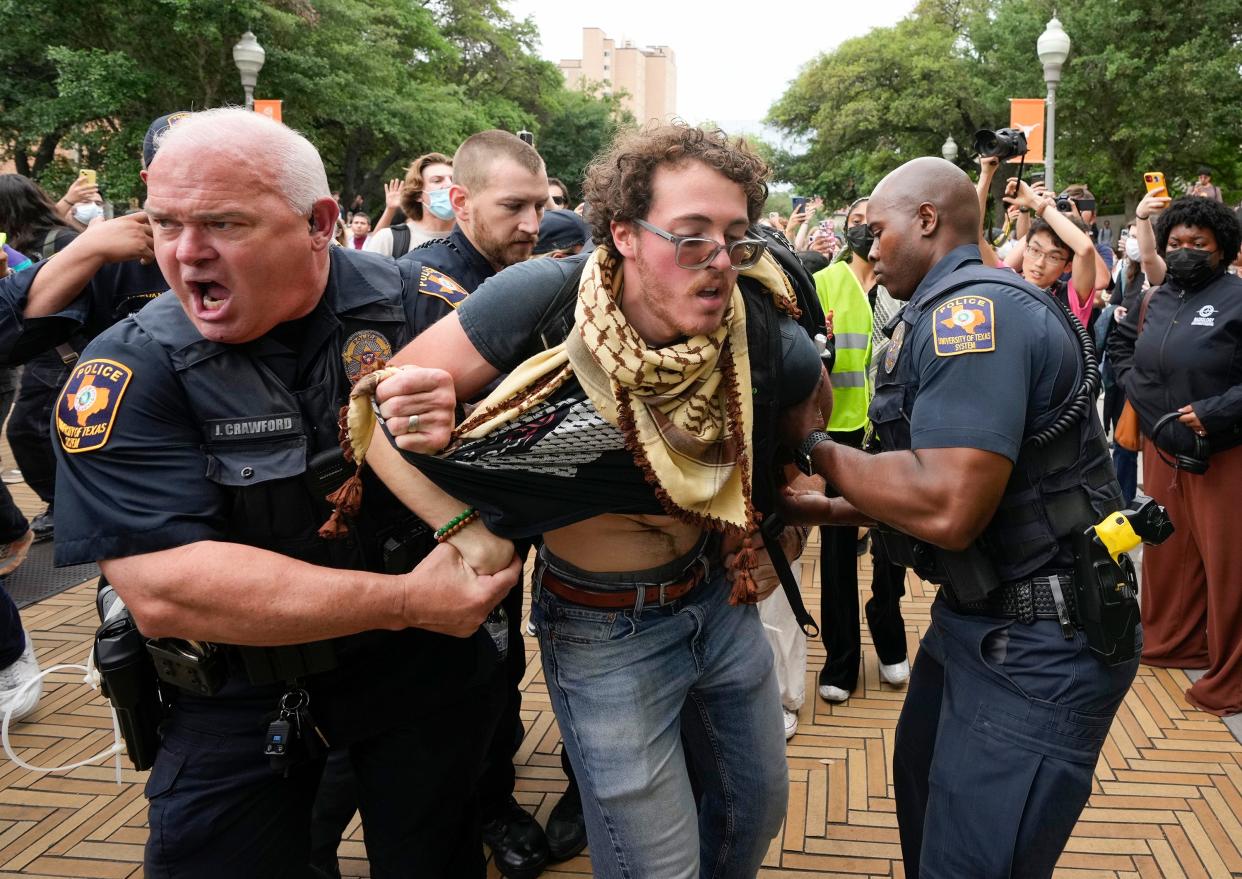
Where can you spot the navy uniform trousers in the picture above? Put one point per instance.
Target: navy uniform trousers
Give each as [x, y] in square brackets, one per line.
[997, 744]
[217, 809]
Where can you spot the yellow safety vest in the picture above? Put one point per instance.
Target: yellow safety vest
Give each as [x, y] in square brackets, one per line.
[840, 293]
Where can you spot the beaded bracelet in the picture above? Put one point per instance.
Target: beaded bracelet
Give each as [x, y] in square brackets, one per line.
[458, 522]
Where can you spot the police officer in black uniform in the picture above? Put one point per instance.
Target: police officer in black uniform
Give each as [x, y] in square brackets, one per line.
[500, 187]
[997, 463]
[196, 442]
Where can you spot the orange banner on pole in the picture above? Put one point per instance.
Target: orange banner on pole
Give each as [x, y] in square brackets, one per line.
[1027, 114]
[271, 108]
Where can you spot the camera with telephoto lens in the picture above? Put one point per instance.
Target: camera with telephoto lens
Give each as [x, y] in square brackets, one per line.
[1004, 143]
[1066, 203]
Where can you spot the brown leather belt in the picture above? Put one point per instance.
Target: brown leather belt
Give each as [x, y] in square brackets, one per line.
[622, 599]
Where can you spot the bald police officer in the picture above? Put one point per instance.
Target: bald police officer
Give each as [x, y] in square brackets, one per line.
[196, 442]
[1008, 706]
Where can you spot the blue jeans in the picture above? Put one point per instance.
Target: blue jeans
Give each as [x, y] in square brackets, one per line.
[997, 742]
[640, 694]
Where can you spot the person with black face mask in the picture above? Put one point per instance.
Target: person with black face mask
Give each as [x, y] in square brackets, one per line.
[1178, 353]
[848, 291]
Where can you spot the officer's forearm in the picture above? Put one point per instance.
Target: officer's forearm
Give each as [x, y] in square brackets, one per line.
[236, 594]
[59, 282]
[943, 496]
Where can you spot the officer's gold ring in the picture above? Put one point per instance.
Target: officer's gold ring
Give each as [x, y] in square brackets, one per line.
[412, 425]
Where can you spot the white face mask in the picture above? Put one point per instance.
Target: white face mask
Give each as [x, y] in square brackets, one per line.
[86, 211]
[1132, 248]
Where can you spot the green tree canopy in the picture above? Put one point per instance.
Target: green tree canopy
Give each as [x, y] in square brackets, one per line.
[373, 83]
[1146, 87]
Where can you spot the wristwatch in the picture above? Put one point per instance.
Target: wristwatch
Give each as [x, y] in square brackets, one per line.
[802, 458]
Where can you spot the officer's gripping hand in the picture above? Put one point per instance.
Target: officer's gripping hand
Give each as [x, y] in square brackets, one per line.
[482, 550]
[443, 594]
[811, 414]
[417, 407]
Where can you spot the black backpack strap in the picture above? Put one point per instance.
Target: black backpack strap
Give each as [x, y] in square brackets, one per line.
[558, 320]
[49, 244]
[400, 240]
[771, 530]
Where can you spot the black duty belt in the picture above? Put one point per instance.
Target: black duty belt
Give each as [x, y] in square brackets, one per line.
[1048, 597]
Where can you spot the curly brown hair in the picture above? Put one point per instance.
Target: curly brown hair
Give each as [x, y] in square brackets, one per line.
[412, 188]
[618, 183]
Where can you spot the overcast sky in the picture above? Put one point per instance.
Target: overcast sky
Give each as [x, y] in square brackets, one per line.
[732, 61]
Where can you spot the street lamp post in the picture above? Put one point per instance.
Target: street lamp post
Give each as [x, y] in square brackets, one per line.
[949, 149]
[1053, 48]
[248, 55]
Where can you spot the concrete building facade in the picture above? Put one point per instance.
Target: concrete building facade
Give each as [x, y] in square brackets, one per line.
[646, 75]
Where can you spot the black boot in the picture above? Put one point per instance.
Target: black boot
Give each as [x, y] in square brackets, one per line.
[566, 827]
[517, 842]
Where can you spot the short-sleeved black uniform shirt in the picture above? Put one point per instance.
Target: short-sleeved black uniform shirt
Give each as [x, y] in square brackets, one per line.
[151, 479]
[991, 364]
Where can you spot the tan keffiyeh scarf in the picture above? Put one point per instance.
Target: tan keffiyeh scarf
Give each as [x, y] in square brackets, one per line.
[685, 410]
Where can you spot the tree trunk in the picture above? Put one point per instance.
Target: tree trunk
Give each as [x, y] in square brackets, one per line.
[46, 152]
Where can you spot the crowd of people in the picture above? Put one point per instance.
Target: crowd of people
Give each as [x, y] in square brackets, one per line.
[312, 449]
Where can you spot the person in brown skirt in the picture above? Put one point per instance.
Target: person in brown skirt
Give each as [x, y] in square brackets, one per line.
[1177, 357]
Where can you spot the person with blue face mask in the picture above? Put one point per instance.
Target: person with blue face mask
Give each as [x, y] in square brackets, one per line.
[424, 199]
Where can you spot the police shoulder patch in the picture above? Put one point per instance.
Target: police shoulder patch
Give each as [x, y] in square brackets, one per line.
[365, 351]
[88, 404]
[434, 282]
[964, 325]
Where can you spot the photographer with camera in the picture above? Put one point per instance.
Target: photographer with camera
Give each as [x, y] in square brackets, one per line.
[1175, 357]
[1054, 242]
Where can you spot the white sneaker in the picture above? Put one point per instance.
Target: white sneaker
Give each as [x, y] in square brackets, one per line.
[20, 684]
[829, 693]
[791, 723]
[896, 674]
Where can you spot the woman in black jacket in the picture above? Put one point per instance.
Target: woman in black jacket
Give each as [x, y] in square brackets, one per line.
[1182, 372]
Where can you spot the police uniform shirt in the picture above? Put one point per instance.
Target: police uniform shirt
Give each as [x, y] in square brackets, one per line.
[138, 473]
[451, 269]
[990, 362]
[114, 291]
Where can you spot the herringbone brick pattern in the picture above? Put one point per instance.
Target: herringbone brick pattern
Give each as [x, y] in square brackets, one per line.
[1167, 799]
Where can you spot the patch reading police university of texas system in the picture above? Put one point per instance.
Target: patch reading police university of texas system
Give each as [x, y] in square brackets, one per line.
[435, 283]
[964, 325]
[88, 405]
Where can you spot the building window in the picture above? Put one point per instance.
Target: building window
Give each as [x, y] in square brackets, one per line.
[605, 66]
